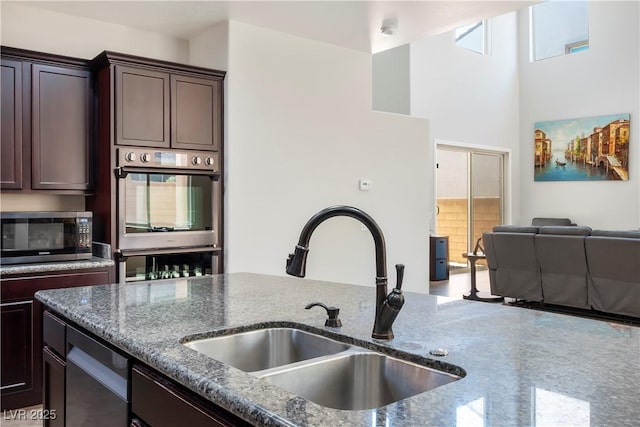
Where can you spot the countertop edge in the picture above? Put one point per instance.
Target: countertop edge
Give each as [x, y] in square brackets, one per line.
[19, 269]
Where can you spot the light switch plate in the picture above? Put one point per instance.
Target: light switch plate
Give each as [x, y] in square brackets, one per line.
[364, 184]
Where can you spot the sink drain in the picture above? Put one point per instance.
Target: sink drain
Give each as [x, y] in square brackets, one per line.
[440, 352]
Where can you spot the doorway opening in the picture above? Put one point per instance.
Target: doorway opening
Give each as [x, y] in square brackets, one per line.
[470, 189]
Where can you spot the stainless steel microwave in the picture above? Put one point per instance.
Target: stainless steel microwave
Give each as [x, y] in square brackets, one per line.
[45, 236]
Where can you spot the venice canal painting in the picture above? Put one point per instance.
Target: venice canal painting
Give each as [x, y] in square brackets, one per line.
[584, 149]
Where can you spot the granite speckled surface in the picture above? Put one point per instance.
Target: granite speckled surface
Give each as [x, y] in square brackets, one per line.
[41, 267]
[523, 367]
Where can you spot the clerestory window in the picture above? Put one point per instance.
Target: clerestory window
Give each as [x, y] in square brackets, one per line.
[473, 37]
[558, 28]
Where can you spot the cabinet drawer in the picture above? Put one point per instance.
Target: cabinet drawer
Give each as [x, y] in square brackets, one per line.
[441, 248]
[162, 404]
[54, 333]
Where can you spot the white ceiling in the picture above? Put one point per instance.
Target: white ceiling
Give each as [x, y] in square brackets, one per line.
[351, 24]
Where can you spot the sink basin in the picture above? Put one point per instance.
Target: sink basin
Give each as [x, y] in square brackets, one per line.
[266, 348]
[322, 370]
[359, 380]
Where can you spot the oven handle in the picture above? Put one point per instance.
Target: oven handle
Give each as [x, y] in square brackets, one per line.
[121, 255]
[123, 171]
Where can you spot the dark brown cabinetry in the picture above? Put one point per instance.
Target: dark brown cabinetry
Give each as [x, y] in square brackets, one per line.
[46, 123]
[54, 367]
[142, 107]
[159, 402]
[60, 128]
[196, 113]
[11, 125]
[161, 107]
[155, 400]
[21, 330]
[16, 321]
[53, 394]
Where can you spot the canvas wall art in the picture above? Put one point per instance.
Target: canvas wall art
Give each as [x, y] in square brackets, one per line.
[584, 149]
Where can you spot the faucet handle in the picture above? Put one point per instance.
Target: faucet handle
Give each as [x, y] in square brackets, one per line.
[333, 312]
[399, 275]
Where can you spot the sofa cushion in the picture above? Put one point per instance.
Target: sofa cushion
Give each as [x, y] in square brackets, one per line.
[515, 229]
[551, 221]
[566, 230]
[517, 274]
[614, 267]
[563, 268]
[631, 234]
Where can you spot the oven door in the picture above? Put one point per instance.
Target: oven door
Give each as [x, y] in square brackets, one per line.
[168, 208]
[141, 265]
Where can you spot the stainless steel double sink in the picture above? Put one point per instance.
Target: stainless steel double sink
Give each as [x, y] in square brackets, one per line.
[322, 370]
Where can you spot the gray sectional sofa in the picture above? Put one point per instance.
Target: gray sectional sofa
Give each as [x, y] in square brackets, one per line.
[567, 265]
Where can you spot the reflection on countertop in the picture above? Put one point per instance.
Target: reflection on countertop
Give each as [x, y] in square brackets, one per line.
[523, 367]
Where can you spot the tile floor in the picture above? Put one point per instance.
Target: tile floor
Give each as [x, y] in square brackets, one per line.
[459, 283]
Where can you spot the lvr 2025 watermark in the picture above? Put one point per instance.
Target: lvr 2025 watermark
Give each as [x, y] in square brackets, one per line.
[29, 414]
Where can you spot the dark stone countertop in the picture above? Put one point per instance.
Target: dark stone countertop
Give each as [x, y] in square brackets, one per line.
[523, 367]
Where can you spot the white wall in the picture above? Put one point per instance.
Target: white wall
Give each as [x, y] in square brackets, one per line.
[300, 133]
[391, 84]
[210, 48]
[27, 27]
[603, 80]
[468, 97]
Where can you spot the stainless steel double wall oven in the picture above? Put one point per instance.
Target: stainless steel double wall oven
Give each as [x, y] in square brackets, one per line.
[159, 150]
[168, 213]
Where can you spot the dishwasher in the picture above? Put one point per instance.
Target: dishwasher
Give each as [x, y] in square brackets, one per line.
[97, 389]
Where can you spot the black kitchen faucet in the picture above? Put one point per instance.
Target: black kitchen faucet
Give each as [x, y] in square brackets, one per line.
[387, 306]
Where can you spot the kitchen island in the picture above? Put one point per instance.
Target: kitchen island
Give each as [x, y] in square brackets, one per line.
[519, 366]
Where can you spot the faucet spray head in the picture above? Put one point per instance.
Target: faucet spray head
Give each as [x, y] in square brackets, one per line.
[297, 261]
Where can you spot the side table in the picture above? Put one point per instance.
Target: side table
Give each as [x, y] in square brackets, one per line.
[473, 293]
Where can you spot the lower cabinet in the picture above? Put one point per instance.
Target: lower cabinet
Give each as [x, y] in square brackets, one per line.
[53, 393]
[15, 329]
[21, 357]
[159, 402]
[74, 393]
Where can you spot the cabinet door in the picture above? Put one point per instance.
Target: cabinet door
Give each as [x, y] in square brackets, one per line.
[11, 125]
[61, 106]
[161, 403]
[142, 107]
[53, 393]
[196, 113]
[15, 329]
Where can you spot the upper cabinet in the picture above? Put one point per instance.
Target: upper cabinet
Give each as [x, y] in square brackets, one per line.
[162, 104]
[11, 125]
[46, 126]
[196, 113]
[142, 107]
[60, 128]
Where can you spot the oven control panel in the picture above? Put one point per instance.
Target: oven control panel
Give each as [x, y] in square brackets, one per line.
[168, 159]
